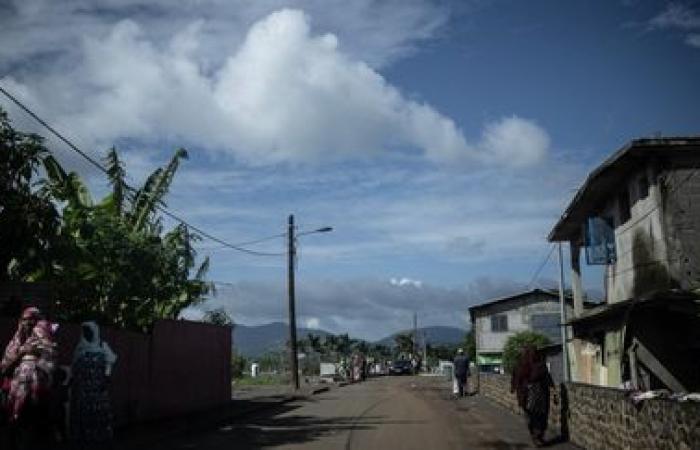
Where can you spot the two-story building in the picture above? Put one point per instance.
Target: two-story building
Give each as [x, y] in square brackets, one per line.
[638, 215]
[493, 322]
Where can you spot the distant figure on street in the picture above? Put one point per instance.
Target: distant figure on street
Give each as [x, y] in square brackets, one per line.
[531, 382]
[90, 405]
[461, 367]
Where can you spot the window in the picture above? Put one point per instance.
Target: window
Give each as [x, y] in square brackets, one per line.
[623, 205]
[643, 187]
[600, 241]
[547, 324]
[499, 323]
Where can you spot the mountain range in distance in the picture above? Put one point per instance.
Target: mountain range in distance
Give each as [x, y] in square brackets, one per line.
[251, 341]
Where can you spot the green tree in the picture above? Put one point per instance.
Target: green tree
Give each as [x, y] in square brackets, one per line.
[516, 343]
[117, 264]
[469, 345]
[238, 365]
[29, 220]
[314, 342]
[343, 344]
[109, 261]
[404, 342]
[218, 316]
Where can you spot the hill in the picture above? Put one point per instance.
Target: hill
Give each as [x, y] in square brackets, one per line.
[251, 341]
[256, 340]
[435, 335]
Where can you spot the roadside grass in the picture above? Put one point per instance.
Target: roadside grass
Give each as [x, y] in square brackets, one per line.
[266, 379]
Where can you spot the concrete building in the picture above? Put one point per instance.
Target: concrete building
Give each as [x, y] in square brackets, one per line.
[495, 321]
[638, 215]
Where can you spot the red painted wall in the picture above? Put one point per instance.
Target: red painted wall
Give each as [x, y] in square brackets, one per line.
[180, 367]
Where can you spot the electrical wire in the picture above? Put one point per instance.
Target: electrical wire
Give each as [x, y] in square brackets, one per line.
[539, 269]
[160, 208]
[256, 241]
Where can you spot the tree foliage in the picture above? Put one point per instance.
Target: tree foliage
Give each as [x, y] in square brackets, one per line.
[469, 345]
[239, 363]
[109, 260]
[29, 220]
[404, 342]
[218, 316]
[515, 344]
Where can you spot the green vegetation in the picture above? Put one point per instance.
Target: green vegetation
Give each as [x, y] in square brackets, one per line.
[28, 217]
[218, 316]
[469, 345]
[264, 379]
[110, 260]
[515, 344]
[404, 342]
[239, 364]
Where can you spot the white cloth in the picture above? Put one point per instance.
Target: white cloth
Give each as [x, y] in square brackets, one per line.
[95, 345]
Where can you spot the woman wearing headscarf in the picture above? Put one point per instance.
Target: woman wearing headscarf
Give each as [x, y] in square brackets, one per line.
[531, 383]
[90, 405]
[26, 368]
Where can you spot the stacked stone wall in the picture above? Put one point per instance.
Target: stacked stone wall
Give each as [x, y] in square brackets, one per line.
[496, 387]
[601, 418]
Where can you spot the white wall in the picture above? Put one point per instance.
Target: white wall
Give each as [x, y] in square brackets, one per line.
[519, 314]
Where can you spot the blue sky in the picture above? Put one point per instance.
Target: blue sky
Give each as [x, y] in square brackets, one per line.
[441, 140]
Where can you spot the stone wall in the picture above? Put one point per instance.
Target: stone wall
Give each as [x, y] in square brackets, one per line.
[497, 388]
[602, 418]
[605, 418]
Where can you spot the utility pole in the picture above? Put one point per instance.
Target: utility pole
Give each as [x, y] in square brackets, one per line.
[414, 350]
[293, 357]
[562, 305]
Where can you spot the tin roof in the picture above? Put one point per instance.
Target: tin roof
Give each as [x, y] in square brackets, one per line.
[517, 296]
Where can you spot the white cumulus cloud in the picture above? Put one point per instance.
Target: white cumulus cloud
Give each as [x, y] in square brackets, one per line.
[286, 94]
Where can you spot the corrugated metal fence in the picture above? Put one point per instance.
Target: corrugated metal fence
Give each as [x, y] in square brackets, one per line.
[181, 367]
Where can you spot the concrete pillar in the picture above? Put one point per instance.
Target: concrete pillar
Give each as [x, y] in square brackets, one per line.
[576, 285]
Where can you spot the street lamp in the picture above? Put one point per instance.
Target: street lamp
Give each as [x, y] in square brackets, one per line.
[290, 280]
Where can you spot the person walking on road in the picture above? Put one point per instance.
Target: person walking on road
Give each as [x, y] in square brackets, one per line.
[531, 382]
[90, 405]
[461, 366]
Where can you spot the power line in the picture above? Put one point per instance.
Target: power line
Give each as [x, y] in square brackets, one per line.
[129, 188]
[256, 241]
[52, 130]
[539, 269]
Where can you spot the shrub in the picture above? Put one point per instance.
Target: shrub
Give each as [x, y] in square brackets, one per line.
[515, 344]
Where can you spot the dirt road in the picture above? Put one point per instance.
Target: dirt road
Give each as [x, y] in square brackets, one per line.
[386, 413]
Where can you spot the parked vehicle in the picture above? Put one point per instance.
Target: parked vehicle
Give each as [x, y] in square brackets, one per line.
[401, 367]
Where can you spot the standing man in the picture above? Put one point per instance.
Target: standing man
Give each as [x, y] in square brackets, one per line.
[461, 365]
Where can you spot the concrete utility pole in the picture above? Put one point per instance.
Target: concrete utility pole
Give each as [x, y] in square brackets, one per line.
[291, 253]
[293, 356]
[414, 350]
[562, 305]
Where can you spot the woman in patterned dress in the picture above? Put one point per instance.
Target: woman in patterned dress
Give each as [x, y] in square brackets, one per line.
[90, 405]
[27, 367]
[532, 382]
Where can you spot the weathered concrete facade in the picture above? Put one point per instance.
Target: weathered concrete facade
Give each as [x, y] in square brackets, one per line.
[646, 333]
[495, 321]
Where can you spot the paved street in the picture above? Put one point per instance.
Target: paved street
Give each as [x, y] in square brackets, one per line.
[386, 413]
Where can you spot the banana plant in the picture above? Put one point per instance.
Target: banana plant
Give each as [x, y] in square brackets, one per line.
[119, 266]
